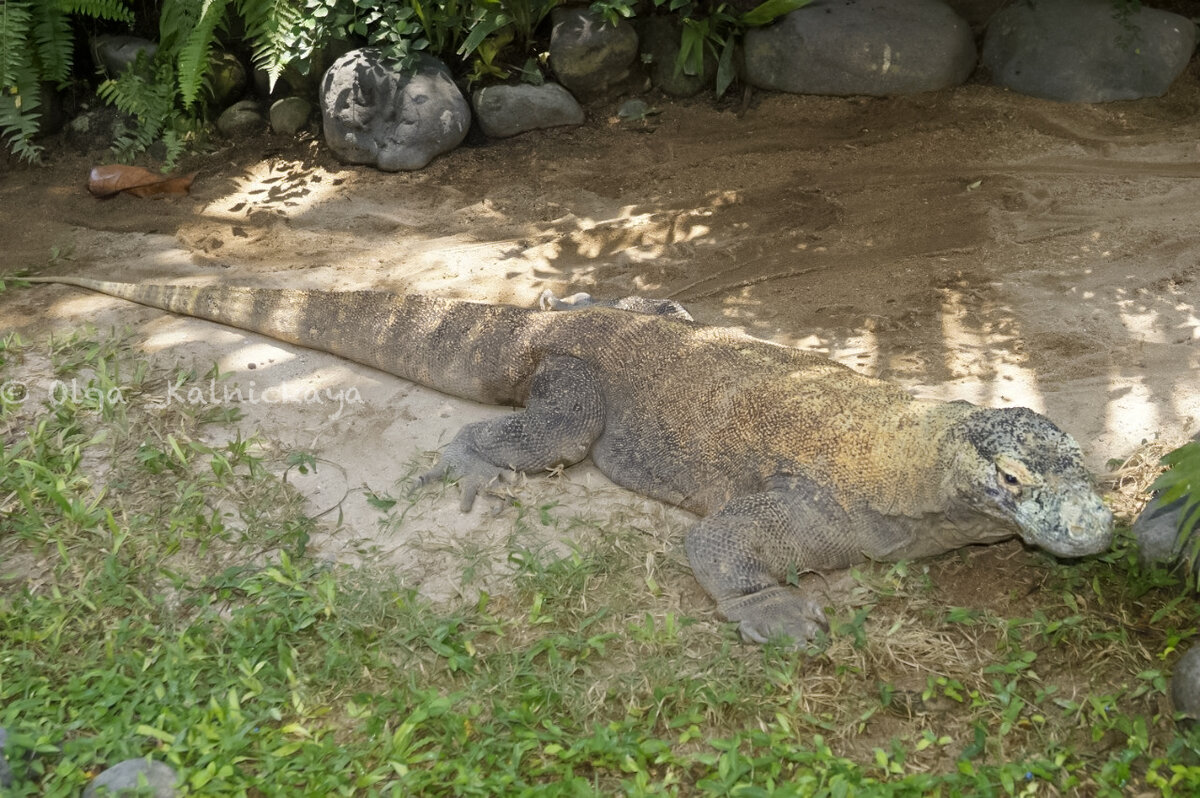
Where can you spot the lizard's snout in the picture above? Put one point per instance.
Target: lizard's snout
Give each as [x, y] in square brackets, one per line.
[1084, 525]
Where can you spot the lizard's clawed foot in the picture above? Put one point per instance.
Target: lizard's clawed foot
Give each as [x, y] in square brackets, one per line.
[776, 612]
[474, 474]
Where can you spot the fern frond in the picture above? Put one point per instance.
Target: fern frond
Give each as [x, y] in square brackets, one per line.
[54, 42]
[18, 127]
[150, 98]
[115, 10]
[20, 93]
[16, 23]
[193, 63]
[269, 26]
[176, 19]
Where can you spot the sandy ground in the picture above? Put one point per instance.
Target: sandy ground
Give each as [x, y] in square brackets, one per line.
[967, 244]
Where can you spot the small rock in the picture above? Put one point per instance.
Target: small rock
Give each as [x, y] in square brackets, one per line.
[1087, 50]
[660, 38]
[1156, 531]
[873, 47]
[589, 54]
[374, 113]
[505, 111]
[635, 110]
[290, 115]
[241, 119]
[115, 54]
[6, 776]
[98, 128]
[1185, 685]
[122, 780]
[226, 78]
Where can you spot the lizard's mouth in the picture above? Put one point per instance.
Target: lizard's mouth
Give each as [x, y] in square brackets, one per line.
[1066, 524]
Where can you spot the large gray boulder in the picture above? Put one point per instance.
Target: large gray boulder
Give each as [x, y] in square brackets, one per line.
[376, 114]
[587, 53]
[505, 111]
[115, 54]
[1086, 50]
[122, 780]
[875, 47]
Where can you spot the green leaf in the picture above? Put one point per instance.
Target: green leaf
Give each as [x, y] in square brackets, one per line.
[690, 60]
[157, 734]
[287, 749]
[725, 70]
[769, 11]
[193, 61]
[492, 22]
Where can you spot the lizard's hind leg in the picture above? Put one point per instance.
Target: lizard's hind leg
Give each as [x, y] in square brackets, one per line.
[562, 418]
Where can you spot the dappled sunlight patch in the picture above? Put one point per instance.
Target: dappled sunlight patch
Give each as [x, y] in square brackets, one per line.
[985, 343]
[1132, 405]
[289, 187]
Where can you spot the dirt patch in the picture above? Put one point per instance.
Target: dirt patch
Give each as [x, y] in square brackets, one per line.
[967, 244]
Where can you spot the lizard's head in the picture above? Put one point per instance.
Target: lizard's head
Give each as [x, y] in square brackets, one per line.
[1019, 468]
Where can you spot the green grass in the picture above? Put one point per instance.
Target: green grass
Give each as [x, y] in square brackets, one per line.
[159, 595]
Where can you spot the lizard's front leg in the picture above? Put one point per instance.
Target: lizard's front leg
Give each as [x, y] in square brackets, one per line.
[562, 418]
[742, 554]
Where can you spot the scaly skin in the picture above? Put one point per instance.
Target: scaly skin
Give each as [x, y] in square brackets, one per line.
[793, 462]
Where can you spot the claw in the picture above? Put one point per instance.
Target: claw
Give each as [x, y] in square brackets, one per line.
[777, 612]
[476, 479]
[435, 474]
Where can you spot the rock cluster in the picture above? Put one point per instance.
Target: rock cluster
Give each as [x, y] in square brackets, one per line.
[375, 112]
[230, 88]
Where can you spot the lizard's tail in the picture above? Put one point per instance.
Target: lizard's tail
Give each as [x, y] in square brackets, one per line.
[477, 351]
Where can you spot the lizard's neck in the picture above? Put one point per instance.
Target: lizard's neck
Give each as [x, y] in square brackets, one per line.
[913, 452]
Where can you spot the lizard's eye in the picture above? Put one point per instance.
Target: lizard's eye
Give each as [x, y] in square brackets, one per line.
[1012, 474]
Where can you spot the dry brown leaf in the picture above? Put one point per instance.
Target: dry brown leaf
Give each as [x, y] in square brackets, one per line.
[105, 181]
